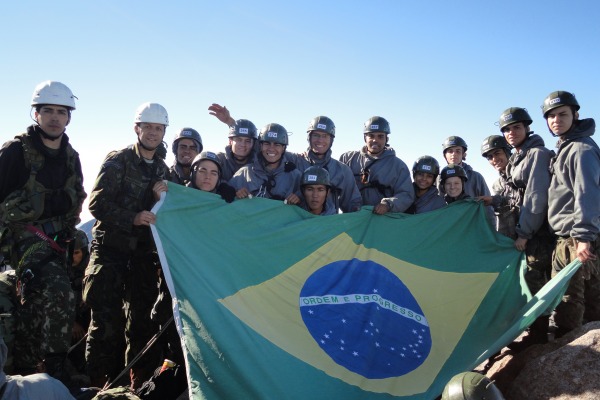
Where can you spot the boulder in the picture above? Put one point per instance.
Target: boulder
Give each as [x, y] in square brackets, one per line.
[566, 368]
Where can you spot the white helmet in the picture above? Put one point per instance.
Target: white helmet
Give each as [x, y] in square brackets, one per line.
[53, 92]
[152, 113]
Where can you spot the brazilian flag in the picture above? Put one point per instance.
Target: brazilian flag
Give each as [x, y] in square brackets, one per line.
[272, 302]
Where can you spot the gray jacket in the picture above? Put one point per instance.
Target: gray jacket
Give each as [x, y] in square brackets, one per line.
[380, 178]
[343, 194]
[230, 165]
[431, 200]
[528, 179]
[574, 194]
[261, 182]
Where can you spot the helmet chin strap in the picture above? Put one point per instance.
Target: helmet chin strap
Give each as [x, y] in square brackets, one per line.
[266, 162]
[146, 147]
[48, 137]
[240, 159]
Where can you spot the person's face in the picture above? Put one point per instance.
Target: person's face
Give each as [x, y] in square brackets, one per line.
[186, 151]
[320, 142]
[207, 176]
[560, 120]
[272, 152]
[52, 119]
[315, 196]
[375, 142]
[424, 180]
[77, 257]
[241, 146]
[454, 155]
[150, 134]
[497, 159]
[515, 134]
[453, 186]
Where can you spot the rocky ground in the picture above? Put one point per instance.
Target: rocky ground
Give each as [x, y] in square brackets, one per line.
[563, 369]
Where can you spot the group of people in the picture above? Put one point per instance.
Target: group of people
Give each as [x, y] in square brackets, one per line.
[546, 202]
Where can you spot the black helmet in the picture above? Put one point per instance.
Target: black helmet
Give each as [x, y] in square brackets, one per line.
[187, 133]
[471, 386]
[243, 128]
[454, 141]
[494, 142]
[314, 175]
[322, 124]
[206, 155]
[451, 170]
[274, 133]
[81, 240]
[426, 164]
[558, 99]
[513, 115]
[377, 124]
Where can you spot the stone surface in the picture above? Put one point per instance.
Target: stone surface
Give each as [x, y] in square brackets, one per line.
[567, 368]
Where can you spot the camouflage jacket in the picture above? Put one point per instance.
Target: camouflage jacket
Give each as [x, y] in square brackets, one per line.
[122, 189]
[44, 187]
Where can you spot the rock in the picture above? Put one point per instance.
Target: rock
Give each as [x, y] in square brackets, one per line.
[567, 368]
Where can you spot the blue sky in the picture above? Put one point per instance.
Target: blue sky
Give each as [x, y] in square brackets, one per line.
[432, 68]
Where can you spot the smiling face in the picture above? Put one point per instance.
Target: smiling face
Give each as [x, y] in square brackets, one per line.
[186, 151]
[241, 146]
[453, 186]
[52, 119]
[424, 180]
[320, 142]
[150, 135]
[272, 152]
[560, 120]
[497, 159]
[375, 142]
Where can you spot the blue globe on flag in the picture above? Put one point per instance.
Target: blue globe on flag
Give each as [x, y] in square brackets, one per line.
[365, 318]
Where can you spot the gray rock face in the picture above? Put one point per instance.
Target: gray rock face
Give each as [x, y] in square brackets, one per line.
[567, 368]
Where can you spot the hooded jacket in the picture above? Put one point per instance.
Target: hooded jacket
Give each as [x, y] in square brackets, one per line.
[574, 193]
[431, 200]
[271, 184]
[229, 163]
[343, 193]
[528, 179]
[383, 178]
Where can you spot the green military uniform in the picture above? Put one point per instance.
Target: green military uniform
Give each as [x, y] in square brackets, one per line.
[41, 202]
[123, 268]
[8, 302]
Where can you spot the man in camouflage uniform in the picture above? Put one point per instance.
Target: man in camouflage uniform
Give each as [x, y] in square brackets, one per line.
[123, 267]
[574, 209]
[8, 302]
[40, 204]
